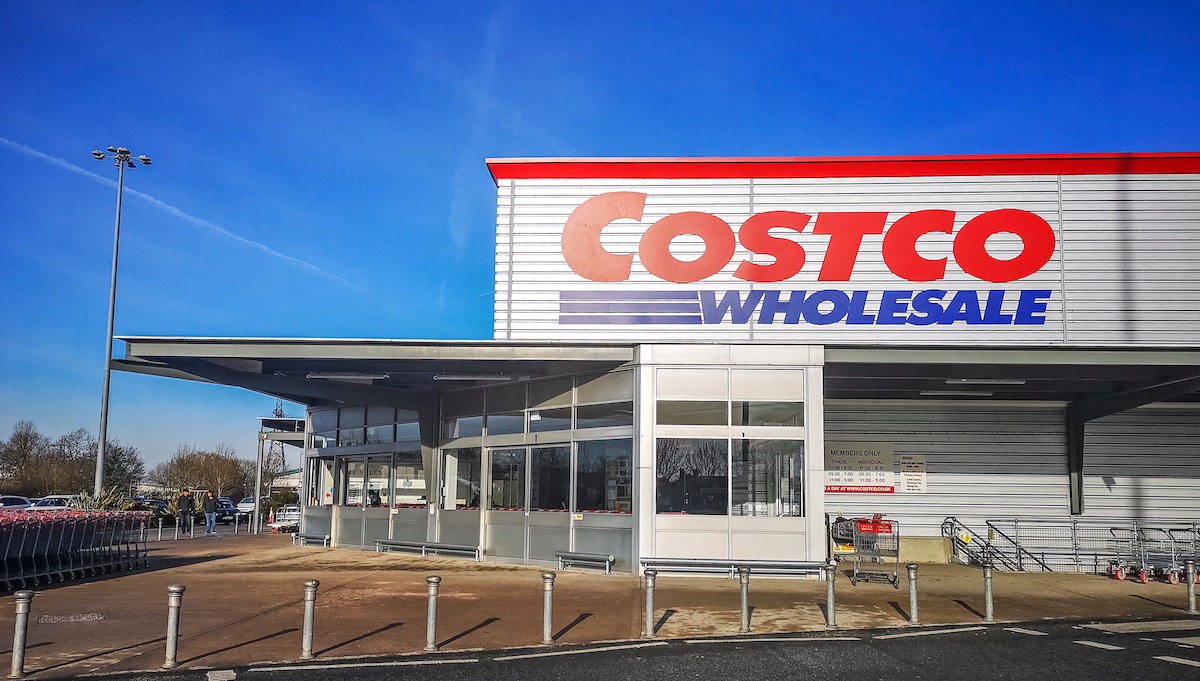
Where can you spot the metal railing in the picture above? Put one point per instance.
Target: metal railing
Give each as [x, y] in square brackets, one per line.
[1068, 545]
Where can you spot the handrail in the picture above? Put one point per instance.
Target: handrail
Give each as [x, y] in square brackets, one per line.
[955, 531]
[1021, 550]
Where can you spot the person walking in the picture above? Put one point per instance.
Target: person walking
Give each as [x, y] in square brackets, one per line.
[186, 506]
[209, 504]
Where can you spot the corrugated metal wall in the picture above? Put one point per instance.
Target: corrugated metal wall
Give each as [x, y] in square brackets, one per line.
[1124, 269]
[990, 462]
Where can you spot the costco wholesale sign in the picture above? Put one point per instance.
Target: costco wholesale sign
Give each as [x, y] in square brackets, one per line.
[984, 251]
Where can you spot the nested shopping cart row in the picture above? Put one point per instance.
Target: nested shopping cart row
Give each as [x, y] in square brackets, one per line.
[1145, 553]
[40, 547]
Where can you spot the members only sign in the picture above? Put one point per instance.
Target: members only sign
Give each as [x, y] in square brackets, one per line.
[859, 467]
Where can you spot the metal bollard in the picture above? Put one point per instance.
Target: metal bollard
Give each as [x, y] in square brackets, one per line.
[912, 593]
[310, 608]
[21, 628]
[744, 578]
[650, 575]
[431, 621]
[547, 607]
[160, 529]
[987, 594]
[174, 600]
[1189, 574]
[830, 575]
[177, 528]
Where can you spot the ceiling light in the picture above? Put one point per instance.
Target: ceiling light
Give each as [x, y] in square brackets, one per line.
[956, 393]
[985, 381]
[472, 377]
[347, 375]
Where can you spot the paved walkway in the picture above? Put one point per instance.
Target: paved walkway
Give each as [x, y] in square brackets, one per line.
[244, 605]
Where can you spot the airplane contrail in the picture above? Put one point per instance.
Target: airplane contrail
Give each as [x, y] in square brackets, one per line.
[29, 151]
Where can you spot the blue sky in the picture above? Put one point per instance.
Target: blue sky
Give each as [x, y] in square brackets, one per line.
[319, 167]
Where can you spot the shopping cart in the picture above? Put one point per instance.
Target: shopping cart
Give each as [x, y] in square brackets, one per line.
[876, 541]
[1127, 545]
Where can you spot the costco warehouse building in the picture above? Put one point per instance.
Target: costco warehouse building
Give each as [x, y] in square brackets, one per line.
[702, 358]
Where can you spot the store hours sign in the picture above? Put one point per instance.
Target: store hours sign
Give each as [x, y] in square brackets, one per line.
[860, 467]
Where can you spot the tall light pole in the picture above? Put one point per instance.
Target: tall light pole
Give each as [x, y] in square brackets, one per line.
[123, 159]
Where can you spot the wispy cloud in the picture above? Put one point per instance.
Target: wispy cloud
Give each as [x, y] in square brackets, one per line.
[166, 207]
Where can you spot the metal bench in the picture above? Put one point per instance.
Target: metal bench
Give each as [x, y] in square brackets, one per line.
[729, 566]
[426, 547]
[570, 558]
[303, 539]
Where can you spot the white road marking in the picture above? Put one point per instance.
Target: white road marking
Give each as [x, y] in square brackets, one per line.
[1146, 627]
[1177, 660]
[580, 651]
[931, 633]
[355, 665]
[1029, 632]
[222, 675]
[1186, 640]
[771, 640]
[1097, 644]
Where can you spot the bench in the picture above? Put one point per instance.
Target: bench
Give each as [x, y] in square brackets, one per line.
[570, 558]
[729, 566]
[303, 539]
[426, 547]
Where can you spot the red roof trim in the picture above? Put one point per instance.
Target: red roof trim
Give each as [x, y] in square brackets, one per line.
[866, 166]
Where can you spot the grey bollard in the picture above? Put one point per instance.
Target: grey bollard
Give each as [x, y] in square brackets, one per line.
[547, 608]
[830, 576]
[987, 594]
[1189, 574]
[431, 621]
[650, 575]
[310, 608]
[20, 629]
[174, 600]
[912, 593]
[160, 529]
[177, 528]
[744, 578]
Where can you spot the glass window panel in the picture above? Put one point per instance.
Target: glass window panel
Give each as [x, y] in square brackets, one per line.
[462, 426]
[747, 413]
[768, 478]
[353, 476]
[324, 439]
[380, 434]
[692, 476]
[553, 393]
[545, 420]
[618, 385]
[604, 415]
[462, 403]
[693, 413]
[349, 417]
[508, 480]
[506, 424]
[324, 420]
[604, 476]
[378, 416]
[550, 478]
[408, 427]
[462, 469]
[379, 481]
[410, 481]
[350, 437]
[320, 482]
[507, 398]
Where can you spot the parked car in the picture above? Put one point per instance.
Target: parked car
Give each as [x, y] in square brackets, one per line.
[11, 502]
[246, 505]
[226, 511]
[55, 502]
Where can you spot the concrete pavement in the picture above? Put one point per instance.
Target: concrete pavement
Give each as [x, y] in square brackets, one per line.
[244, 605]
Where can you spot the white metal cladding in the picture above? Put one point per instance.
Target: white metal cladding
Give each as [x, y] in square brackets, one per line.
[1125, 245]
[999, 462]
[1144, 465]
[983, 461]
